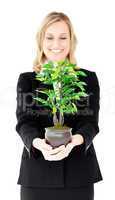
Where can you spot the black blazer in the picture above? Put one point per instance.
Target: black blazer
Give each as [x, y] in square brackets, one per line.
[81, 166]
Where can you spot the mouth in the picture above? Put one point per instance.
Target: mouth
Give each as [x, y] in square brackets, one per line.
[56, 51]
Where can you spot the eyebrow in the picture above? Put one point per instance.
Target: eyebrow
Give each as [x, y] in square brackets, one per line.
[52, 33]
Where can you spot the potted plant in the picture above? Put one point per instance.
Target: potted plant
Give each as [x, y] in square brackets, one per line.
[64, 78]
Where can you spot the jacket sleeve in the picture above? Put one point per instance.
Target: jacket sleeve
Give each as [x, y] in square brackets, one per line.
[87, 124]
[27, 124]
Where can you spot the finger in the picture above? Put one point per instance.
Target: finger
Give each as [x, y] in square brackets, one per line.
[45, 154]
[46, 146]
[53, 158]
[56, 150]
[64, 152]
[60, 155]
[48, 156]
[69, 146]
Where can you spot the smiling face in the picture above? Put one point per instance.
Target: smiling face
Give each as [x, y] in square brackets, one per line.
[56, 43]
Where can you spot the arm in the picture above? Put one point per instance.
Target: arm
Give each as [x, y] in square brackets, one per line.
[27, 123]
[87, 125]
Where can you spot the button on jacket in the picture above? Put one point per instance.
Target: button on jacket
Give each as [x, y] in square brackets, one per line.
[81, 167]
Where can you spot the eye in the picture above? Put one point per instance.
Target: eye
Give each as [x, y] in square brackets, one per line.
[49, 38]
[63, 38]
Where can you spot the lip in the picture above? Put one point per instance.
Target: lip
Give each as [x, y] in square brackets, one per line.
[56, 50]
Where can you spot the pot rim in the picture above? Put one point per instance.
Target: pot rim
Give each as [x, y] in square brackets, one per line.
[58, 128]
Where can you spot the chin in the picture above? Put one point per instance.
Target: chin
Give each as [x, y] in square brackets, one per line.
[57, 59]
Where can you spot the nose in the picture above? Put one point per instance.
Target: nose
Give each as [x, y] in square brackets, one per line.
[56, 44]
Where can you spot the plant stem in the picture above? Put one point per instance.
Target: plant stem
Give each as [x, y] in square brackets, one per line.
[61, 119]
[55, 119]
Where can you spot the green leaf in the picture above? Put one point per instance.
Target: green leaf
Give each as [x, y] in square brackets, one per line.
[81, 73]
[62, 98]
[82, 83]
[41, 100]
[74, 106]
[83, 94]
[67, 91]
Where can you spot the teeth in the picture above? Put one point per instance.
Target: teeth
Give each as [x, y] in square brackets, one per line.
[56, 50]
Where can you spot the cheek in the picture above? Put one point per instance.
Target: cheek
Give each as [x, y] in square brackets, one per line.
[47, 44]
[67, 46]
[66, 43]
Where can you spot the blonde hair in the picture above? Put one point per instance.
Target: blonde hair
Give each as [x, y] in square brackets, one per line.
[48, 20]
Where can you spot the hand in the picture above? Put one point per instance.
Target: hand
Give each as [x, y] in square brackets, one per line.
[41, 144]
[45, 148]
[63, 151]
[60, 152]
[77, 139]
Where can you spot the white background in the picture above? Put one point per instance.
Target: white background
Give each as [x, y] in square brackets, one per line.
[94, 25]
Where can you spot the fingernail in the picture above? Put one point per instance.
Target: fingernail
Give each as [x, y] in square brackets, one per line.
[62, 146]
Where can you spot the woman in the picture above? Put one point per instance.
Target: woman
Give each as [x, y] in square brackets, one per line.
[66, 172]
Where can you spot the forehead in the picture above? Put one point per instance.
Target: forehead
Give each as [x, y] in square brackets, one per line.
[58, 28]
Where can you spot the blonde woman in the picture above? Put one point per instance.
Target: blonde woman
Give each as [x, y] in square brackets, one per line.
[67, 172]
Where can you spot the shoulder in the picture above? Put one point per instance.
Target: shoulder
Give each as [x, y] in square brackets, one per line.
[25, 80]
[91, 77]
[88, 72]
[27, 75]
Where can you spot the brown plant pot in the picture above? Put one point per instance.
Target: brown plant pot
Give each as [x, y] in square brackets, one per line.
[56, 136]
